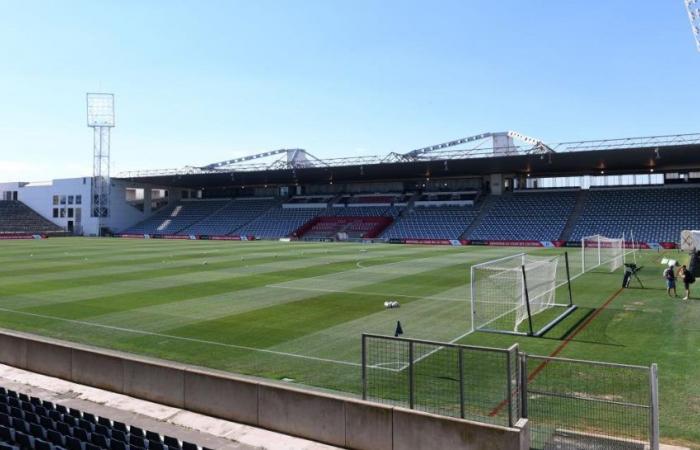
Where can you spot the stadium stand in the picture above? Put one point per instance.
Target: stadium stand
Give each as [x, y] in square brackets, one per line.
[537, 216]
[231, 217]
[307, 199]
[29, 423]
[18, 218]
[652, 214]
[357, 211]
[370, 199]
[448, 198]
[279, 222]
[175, 219]
[438, 222]
[354, 227]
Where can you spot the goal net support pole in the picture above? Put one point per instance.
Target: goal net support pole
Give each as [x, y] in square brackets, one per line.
[568, 279]
[527, 299]
[501, 289]
[570, 309]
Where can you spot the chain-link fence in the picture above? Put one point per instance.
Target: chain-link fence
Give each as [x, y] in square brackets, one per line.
[470, 382]
[573, 404]
[570, 404]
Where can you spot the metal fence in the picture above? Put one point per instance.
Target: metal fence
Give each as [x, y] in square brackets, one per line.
[570, 404]
[477, 383]
[574, 404]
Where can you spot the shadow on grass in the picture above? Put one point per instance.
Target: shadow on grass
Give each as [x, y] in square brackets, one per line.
[574, 326]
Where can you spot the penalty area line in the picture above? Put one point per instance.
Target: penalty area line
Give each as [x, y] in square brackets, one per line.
[181, 338]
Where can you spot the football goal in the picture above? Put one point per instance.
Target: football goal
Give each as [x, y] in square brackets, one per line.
[508, 293]
[597, 250]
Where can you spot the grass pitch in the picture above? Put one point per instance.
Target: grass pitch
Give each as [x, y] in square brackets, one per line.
[295, 311]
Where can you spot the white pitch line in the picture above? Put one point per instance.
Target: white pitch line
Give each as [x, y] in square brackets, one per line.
[384, 294]
[169, 336]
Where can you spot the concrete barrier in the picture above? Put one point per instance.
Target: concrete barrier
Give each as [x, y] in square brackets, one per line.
[368, 426]
[221, 396]
[161, 383]
[331, 419]
[49, 358]
[98, 369]
[423, 431]
[13, 350]
[302, 413]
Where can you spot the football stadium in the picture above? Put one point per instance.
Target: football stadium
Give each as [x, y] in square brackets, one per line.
[496, 291]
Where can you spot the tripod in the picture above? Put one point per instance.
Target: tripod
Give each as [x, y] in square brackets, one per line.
[631, 271]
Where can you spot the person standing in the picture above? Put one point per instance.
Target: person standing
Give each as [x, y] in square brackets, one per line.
[688, 278]
[670, 277]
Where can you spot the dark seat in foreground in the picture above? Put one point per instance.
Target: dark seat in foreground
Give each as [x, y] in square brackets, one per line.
[29, 423]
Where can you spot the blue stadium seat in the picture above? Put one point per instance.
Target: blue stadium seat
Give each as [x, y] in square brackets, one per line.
[432, 222]
[651, 214]
[526, 216]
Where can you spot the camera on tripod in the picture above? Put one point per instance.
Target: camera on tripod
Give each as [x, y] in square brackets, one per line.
[631, 270]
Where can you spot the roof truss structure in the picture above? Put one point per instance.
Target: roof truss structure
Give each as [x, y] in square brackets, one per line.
[483, 145]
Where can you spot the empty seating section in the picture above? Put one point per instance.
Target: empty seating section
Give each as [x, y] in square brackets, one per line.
[358, 211]
[431, 223]
[355, 227]
[231, 217]
[537, 216]
[448, 196]
[29, 423]
[372, 199]
[176, 218]
[652, 214]
[308, 199]
[279, 222]
[16, 217]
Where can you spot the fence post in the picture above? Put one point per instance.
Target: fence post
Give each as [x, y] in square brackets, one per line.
[410, 375]
[461, 382]
[523, 385]
[509, 393]
[654, 399]
[364, 366]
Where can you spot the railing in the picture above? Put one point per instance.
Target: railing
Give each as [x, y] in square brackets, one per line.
[569, 403]
[441, 378]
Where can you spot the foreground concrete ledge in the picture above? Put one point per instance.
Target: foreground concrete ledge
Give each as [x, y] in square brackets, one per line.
[323, 417]
[420, 430]
[368, 426]
[188, 426]
[221, 396]
[302, 413]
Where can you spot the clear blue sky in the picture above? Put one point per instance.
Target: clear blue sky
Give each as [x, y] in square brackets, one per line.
[201, 81]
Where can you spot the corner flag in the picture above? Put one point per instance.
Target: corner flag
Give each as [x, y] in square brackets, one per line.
[399, 330]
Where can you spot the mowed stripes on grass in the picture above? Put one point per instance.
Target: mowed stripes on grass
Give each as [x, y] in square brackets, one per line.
[289, 298]
[297, 310]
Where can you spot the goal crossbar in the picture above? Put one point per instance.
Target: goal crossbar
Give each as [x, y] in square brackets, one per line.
[598, 250]
[519, 285]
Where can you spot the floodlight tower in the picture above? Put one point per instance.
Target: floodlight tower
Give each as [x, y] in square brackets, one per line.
[693, 7]
[100, 117]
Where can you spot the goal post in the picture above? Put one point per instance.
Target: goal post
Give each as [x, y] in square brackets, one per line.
[511, 291]
[598, 250]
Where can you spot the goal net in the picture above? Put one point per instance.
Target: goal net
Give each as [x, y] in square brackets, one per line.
[509, 291]
[603, 251]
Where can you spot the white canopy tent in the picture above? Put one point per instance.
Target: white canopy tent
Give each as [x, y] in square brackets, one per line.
[690, 240]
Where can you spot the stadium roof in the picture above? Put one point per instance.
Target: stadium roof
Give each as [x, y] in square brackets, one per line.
[457, 158]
